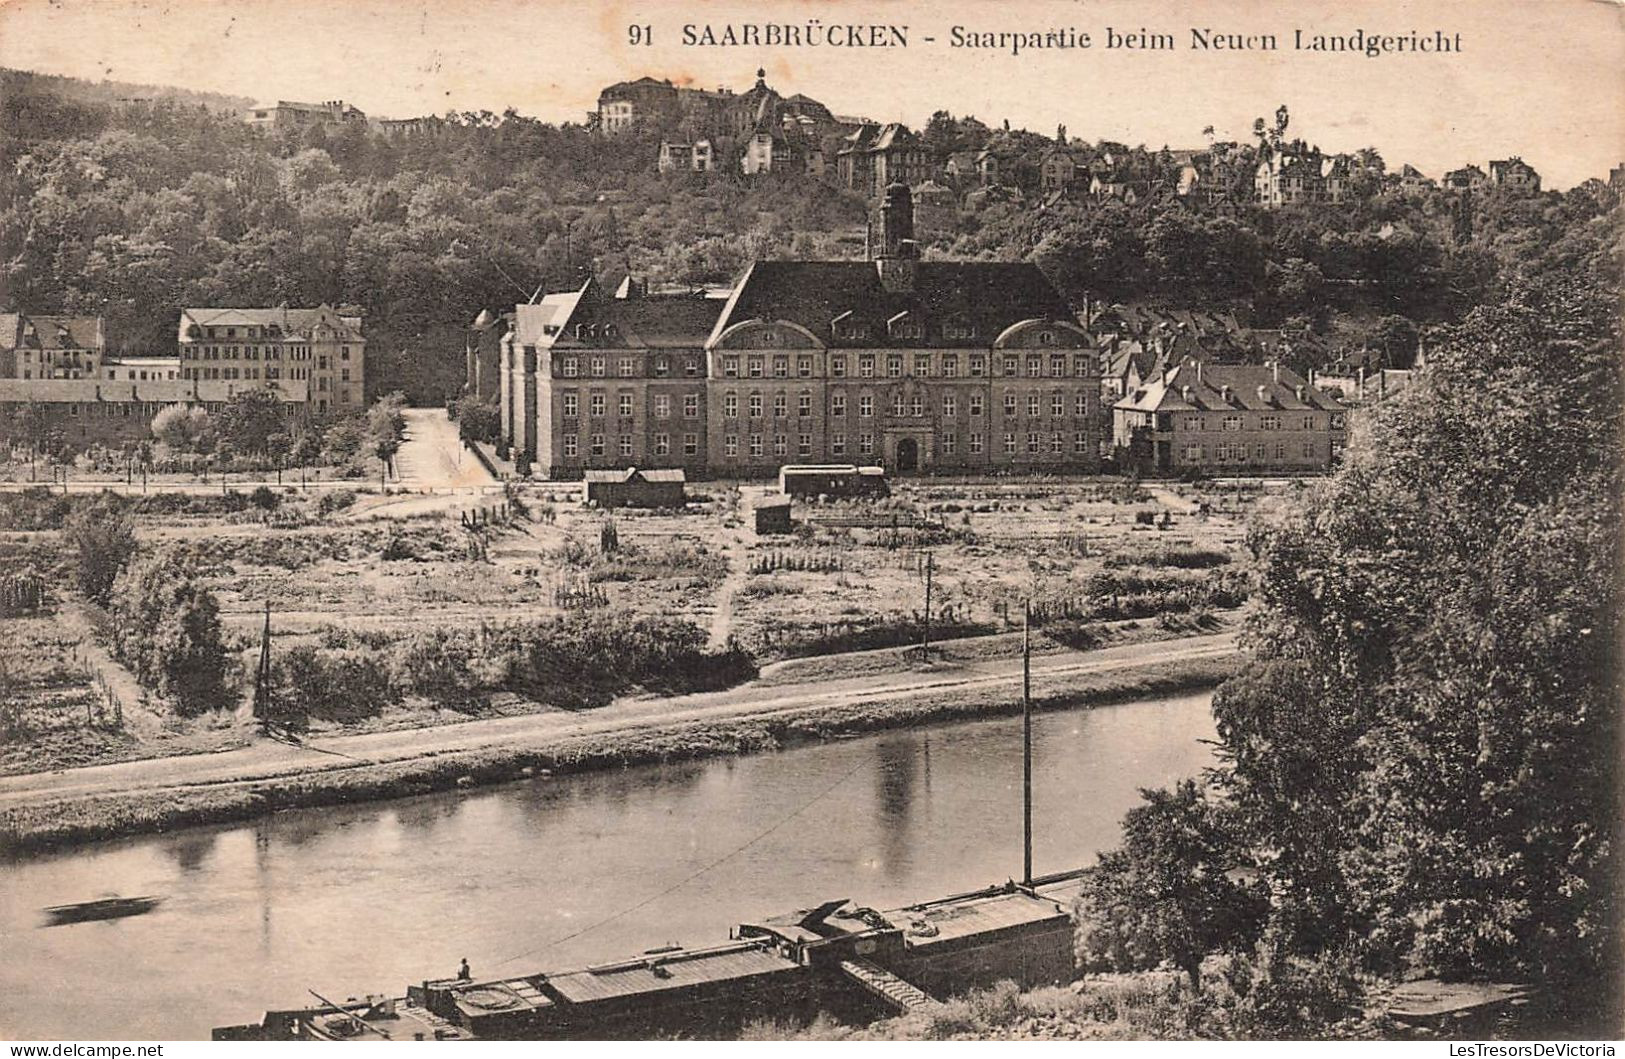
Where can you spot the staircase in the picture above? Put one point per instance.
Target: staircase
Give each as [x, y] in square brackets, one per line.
[899, 994]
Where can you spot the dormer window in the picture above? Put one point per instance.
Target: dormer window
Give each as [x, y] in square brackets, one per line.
[848, 327]
[1046, 338]
[662, 364]
[550, 329]
[904, 325]
[958, 329]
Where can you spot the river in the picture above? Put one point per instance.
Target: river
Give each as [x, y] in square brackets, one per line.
[368, 898]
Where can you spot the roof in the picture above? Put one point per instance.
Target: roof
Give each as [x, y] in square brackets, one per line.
[50, 332]
[532, 321]
[1194, 387]
[154, 391]
[292, 321]
[661, 475]
[988, 295]
[661, 972]
[955, 918]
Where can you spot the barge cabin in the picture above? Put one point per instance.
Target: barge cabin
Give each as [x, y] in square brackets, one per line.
[844, 959]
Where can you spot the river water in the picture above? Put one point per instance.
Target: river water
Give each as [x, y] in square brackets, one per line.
[368, 898]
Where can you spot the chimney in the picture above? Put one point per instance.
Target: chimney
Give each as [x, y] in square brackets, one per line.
[1275, 370]
[1198, 370]
[895, 257]
[1185, 392]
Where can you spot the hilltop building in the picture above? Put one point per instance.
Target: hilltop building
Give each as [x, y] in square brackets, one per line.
[914, 365]
[285, 114]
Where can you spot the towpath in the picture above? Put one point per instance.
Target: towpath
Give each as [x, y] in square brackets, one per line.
[267, 760]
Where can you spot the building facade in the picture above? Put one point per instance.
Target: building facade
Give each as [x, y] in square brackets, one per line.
[286, 114]
[1226, 419]
[312, 356]
[915, 365]
[51, 347]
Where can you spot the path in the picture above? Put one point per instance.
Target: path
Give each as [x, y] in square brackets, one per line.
[432, 456]
[267, 760]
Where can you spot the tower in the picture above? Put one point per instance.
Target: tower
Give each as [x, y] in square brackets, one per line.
[897, 252]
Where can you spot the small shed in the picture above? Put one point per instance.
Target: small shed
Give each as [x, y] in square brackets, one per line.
[831, 479]
[635, 488]
[772, 515]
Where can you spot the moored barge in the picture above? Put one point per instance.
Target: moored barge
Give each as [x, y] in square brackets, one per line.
[838, 957]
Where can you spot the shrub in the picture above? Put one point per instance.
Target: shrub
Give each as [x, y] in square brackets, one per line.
[343, 688]
[103, 539]
[264, 498]
[167, 629]
[335, 500]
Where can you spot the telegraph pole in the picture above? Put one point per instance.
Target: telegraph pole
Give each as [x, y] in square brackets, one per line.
[925, 632]
[262, 676]
[1026, 743]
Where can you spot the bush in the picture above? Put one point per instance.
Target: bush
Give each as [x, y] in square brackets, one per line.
[335, 500]
[167, 629]
[335, 687]
[103, 538]
[264, 498]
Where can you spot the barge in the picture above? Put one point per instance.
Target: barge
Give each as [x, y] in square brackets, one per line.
[839, 957]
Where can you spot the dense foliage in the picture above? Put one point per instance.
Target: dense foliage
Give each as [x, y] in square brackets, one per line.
[166, 628]
[1422, 759]
[134, 210]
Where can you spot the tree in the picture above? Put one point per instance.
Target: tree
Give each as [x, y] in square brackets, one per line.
[1166, 893]
[181, 427]
[1433, 711]
[103, 538]
[166, 627]
[476, 420]
[250, 419]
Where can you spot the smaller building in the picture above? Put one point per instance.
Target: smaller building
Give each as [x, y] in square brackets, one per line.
[51, 347]
[635, 488]
[1229, 419]
[832, 479]
[772, 515]
[1467, 178]
[693, 157]
[141, 369]
[1514, 173]
[287, 114]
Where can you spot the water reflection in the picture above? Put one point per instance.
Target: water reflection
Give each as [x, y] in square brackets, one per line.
[368, 898]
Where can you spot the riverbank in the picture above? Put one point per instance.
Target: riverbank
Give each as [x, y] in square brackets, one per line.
[66, 821]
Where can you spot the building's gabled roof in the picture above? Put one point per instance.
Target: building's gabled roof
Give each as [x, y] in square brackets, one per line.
[290, 321]
[674, 474]
[989, 296]
[893, 135]
[541, 323]
[26, 331]
[1191, 387]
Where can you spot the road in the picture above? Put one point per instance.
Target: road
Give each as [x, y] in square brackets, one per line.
[269, 760]
[432, 456]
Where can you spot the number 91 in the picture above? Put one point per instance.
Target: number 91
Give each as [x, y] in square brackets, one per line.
[636, 35]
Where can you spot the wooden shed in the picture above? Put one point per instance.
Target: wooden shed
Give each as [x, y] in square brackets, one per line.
[773, 515]
[831, 479]
[635, 488]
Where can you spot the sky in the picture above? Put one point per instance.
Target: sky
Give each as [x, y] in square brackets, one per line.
[1544, 79]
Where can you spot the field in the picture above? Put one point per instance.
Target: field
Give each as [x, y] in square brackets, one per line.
[429, 608]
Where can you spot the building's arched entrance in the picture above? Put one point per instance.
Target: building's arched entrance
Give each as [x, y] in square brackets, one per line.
[908, 455]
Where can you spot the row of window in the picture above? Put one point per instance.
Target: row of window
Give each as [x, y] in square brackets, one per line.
[570, 447]
[660, 365]
[1269, 422]
[570, 405]
[946, 365]
[1238, 452]
[254, 373]
[910, 405]
[1054, 443]
[294, 352]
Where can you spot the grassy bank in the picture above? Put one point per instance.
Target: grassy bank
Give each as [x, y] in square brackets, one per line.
[64, 823]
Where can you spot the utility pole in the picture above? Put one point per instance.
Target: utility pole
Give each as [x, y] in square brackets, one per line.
[1026, 743]
[262, 676]
[925, 632]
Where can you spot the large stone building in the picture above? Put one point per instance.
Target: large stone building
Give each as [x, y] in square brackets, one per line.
[316, 357]
[1228, 418]
[51, 347]
[918, 365]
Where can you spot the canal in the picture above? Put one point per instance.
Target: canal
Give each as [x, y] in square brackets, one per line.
[554, 873]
